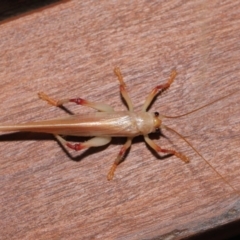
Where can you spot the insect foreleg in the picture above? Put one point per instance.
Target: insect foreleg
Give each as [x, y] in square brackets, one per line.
[157, 89]
[93, 142]
[102, 107]
[157, 148]
[119, 158]
[123, 89]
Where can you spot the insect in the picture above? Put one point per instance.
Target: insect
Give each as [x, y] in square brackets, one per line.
[106, 123]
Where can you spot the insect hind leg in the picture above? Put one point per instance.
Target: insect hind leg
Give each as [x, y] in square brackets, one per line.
[102, 107]
[93, 142]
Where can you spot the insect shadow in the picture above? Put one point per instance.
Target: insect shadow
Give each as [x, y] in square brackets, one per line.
[28, 136]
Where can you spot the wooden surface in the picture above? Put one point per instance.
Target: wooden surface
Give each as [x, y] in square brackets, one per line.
[70, 50]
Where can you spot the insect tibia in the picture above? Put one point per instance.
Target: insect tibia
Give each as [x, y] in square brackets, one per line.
[182, 157]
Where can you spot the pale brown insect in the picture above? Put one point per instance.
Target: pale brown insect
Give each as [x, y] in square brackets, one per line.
[107, 123]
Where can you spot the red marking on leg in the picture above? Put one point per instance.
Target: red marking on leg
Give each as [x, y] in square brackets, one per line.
[160, 88]
[159, 149]
[76, 147]
[163, 86]
[122, 151]
[122, 88]
[177, 154]
[120, 155]
[78, 101]
[167, 151]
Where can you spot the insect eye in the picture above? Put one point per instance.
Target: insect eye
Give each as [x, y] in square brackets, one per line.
[157, 129]
[156, 114]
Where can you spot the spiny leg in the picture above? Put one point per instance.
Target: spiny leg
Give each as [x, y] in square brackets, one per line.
[123, 89]
[93, 142]
[119, 158]
[157, 89]
[157, 148]
[98, 106]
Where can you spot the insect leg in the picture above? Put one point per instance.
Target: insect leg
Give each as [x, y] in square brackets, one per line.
[157, 148]
[93, 142]
[157, 89]
[123, 89]
[98, 106]
[119, 158]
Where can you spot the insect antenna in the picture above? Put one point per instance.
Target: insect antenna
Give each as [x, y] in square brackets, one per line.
[200, 155]
[197, 109]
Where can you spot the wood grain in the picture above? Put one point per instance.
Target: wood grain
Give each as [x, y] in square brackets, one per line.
[70, 50]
